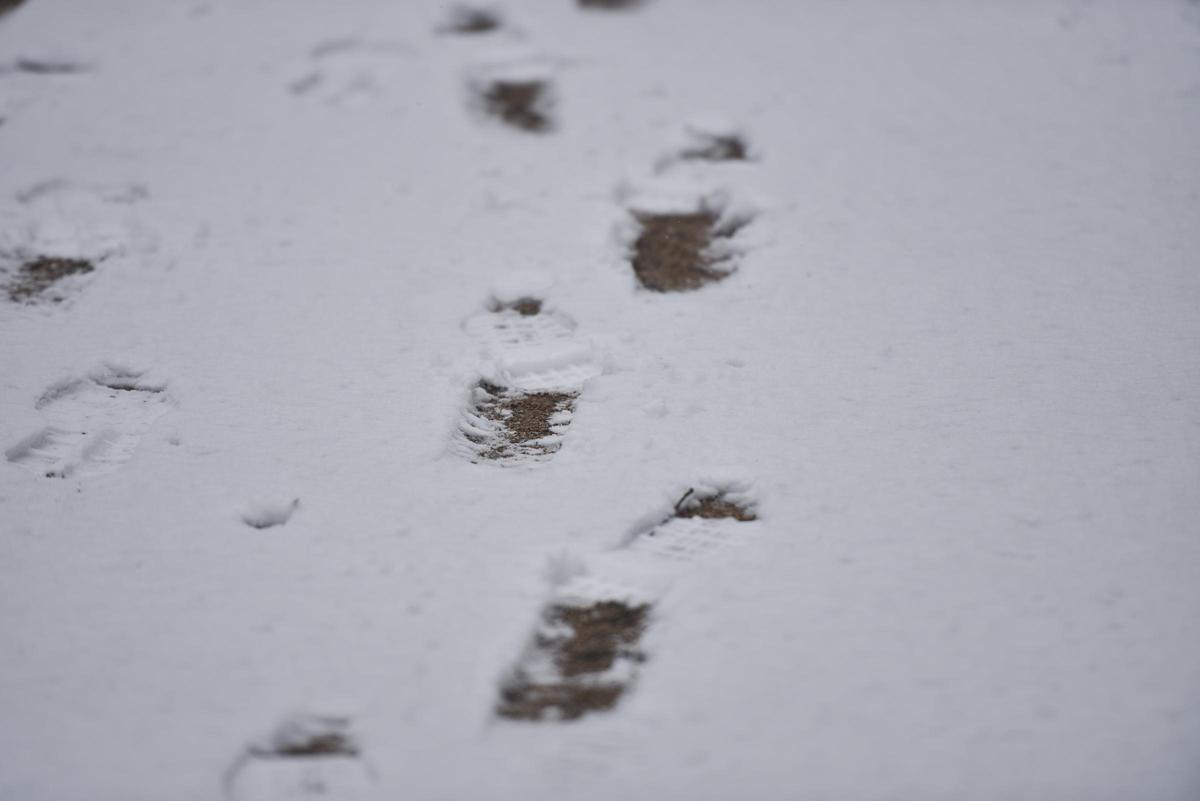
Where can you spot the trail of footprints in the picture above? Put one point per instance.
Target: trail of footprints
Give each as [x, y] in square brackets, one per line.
[587, 647]
[60, 237]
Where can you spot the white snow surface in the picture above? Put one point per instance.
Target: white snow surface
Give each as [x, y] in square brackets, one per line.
[955, 370]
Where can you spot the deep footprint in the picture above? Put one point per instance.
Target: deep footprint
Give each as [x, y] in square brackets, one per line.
[508, 425]
[582, 659]
[537, 370]
[676, 252]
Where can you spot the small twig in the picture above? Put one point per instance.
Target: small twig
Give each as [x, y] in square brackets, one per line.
[686, 495]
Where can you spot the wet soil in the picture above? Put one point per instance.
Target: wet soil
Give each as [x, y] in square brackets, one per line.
[674, 253]
[524, 105]
[717, 509]
[524, 418]
[712, 506]
[36, 276]
[582, 643]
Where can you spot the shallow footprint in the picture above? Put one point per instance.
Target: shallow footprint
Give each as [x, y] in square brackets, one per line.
[703, 521]
[308, 756]
[532, 348]
[351, 72]
[93, 426]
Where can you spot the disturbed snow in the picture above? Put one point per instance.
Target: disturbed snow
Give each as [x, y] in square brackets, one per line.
[953, 368]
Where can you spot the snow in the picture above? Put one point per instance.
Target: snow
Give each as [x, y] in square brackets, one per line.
[521, 284]
[260, 513]
[954, 371]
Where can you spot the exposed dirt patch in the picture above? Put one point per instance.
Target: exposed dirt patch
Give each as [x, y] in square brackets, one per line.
[470, 20]
[308, 756]
[320, 745]
[523, 700]
[712, 506]
[36, 276]
[712, 147]
[579, 644]
[525, 423]
[600, 635]
[675, 253]
[309, 736]
[526, 416]
[526, 307]
[522, 104]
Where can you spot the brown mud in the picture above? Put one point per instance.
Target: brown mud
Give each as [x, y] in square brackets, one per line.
[582, 643]
[35, 277]
[675, 252]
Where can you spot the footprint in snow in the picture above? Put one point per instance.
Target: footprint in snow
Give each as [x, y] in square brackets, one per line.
[93, 424]
[60, 234]
[536, 369]
[702, 522]
[23, 79]
[307, 757]
[517, 94]
[586, 651]
[679, 244]
[350, 72]
[710, 142]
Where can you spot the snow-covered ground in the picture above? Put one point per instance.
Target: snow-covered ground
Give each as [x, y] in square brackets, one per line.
[955, 372]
